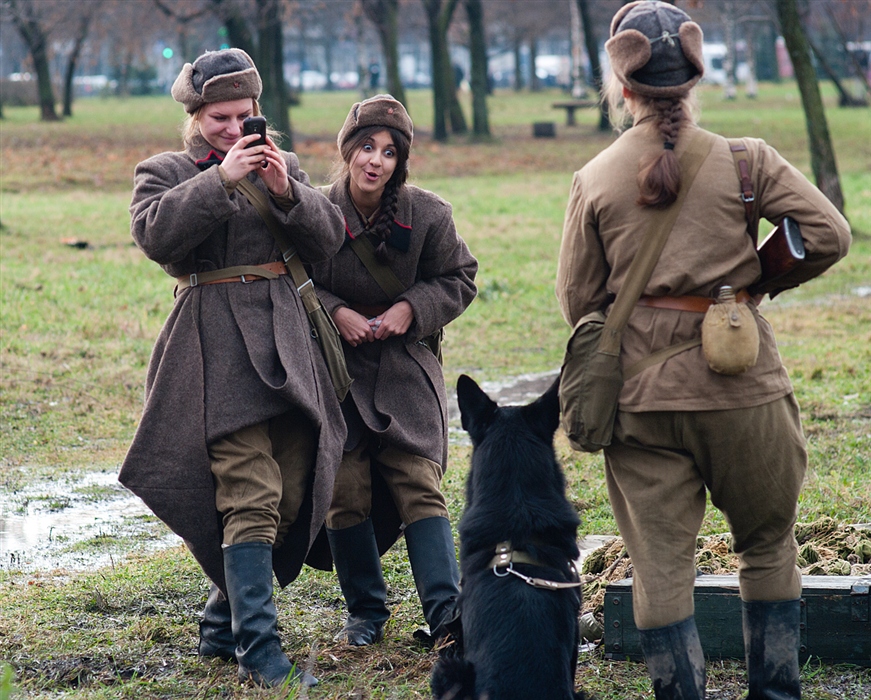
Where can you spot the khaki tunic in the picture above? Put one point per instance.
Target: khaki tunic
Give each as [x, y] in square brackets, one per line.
[229, 355]
[708, 247]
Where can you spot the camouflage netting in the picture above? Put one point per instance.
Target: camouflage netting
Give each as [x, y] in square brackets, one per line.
[826, 548]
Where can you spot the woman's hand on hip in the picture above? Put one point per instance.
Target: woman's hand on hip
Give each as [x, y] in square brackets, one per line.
[395, 321]
[353, 327]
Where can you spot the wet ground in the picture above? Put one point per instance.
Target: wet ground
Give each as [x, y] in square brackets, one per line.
[89, 520]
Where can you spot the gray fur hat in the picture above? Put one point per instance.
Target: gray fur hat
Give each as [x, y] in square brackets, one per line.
[655, 49]
[380, 110]
[217, 76]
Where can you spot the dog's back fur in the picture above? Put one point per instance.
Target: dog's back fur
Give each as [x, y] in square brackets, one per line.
[519, 642]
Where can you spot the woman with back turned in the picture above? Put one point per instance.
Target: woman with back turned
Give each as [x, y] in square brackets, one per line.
[685, 426]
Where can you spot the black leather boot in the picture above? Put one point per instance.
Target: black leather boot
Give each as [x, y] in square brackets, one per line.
[216, 632]
[433, 560]
[675, 661]
[358, 567]
[248, 571]
[771, 644]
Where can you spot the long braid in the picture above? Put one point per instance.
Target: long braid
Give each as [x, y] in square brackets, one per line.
[659, 181]
[384, 225]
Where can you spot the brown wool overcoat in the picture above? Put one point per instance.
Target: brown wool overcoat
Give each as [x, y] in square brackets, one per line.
[399, 388]
[229, 355]
[709, 246]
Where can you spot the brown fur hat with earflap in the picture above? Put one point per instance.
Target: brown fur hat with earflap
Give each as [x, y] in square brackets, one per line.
[217, 76]
[380, 110]
[655, 49]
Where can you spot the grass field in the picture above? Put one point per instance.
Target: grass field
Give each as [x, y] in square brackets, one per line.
[78, 324]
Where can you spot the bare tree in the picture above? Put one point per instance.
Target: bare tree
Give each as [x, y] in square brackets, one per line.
[592, 47]
[821, 151]
[445, 104]
[87, 9]
[479, 75]
[383, 14]
[35, 21]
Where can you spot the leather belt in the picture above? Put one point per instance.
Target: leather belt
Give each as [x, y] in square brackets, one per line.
[238, 273]
[687, 303]
[369, 310]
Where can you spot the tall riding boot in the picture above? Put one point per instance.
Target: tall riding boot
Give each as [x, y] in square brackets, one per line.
[771, 644]
[433, 560]
[216, 632]
[248, 571]
[358, 567]
[675, 661]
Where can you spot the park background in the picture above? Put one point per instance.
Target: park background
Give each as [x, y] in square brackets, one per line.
[81, 307]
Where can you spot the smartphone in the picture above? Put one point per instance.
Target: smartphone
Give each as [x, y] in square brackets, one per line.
[255, 125]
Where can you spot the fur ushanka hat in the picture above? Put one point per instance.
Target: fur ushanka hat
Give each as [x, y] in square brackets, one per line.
[655, 49]
[217, 76]
[380, 110]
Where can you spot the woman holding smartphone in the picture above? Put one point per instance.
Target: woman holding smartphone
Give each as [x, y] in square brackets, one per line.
[242, 432]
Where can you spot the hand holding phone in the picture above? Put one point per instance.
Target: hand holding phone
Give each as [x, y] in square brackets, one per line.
[255, 125]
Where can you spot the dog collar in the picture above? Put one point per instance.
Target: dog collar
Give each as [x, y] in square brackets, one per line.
[507, 556]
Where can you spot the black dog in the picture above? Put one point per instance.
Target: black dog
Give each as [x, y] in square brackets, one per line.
[520, 600]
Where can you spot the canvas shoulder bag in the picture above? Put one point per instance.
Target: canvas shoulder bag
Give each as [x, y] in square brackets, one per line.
[591, 376]
[323, 328]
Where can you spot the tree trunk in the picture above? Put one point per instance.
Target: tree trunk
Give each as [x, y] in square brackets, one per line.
[479, 77]
[592, 47]
[518, 71]
[821, 151]
[440, 102]
[383, 14]
[455, 109]
[81, 35]
[36, 39]
[270, 63]
[534, 85]
[238, 31]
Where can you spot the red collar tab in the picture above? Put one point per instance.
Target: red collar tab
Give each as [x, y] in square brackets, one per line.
[212, 159]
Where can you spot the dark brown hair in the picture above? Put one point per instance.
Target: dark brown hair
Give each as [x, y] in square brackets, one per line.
[383, 224]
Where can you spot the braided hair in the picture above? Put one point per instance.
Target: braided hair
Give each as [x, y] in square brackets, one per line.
[382, 227]
[659, 180]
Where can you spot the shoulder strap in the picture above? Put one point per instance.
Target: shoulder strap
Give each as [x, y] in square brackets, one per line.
[384, 276]
[739, 151]
[288, 251]
[661, 223]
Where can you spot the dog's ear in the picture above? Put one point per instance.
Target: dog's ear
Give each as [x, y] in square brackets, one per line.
[543, 413]
[477, 410]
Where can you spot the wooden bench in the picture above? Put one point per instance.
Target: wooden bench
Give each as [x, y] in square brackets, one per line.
[570, 106]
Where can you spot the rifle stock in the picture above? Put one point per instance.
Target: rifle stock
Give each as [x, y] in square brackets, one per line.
[779, 254]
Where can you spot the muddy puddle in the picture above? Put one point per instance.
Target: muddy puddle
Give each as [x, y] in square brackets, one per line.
[88, 520]
[79, 522]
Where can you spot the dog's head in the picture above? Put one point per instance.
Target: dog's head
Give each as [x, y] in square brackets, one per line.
[479, 412]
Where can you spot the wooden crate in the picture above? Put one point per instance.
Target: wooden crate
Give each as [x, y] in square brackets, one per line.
[835, 619]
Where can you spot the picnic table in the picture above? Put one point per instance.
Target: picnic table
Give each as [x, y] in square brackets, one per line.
[570, 106]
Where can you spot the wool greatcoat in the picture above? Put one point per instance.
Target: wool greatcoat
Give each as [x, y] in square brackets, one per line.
[709, 246]
[399, 389]
[229, 355]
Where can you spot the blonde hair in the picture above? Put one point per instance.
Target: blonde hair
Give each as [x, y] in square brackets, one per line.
[658, 179]
[190, 128]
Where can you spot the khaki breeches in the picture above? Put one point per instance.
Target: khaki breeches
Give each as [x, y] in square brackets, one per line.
[658, 468]
[413, 481]
[261, 475]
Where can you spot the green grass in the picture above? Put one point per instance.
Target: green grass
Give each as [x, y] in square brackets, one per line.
[78, 325]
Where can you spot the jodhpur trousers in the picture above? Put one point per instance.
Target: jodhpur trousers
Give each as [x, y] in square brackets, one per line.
[261, 475]
[658, 468]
